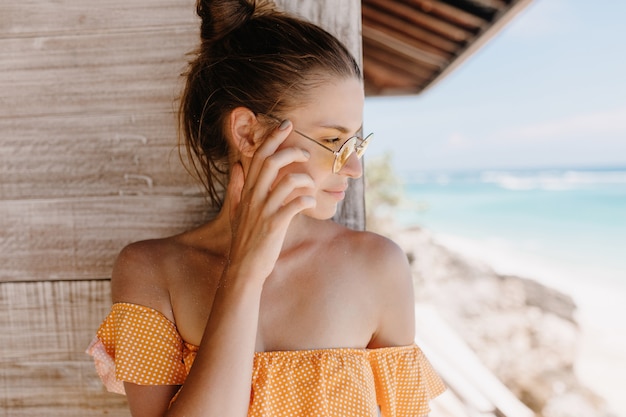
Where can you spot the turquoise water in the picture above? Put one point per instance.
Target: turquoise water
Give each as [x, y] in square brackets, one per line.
[572, 217]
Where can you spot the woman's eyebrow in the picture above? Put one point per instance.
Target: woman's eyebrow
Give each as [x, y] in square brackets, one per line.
[342, 129]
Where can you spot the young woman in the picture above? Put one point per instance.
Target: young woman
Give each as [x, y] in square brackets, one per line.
[281, 311]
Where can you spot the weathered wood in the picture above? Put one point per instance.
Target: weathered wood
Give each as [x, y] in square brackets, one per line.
[67, 239]
[425, 20]
[88, 164]
[379, 72]
[341, 18]
[397, 24]
[46, 327]
[36, 17]
[397, 62]
[449, 13]
[91, 155]
[92, 74]
[427, 59]
[409, 40]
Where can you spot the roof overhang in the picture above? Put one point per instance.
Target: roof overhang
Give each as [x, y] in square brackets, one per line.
[409, 45]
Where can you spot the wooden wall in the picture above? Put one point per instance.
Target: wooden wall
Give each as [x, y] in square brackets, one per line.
[88, 163]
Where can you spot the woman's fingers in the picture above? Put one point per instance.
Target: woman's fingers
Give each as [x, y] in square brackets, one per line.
[289, 187]
[261, 207]
[268, 148]
[272, 164]
[234, 189]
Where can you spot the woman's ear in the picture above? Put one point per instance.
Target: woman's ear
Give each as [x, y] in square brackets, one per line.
[244, 130]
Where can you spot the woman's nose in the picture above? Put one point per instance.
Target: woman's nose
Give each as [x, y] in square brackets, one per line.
[353, 167]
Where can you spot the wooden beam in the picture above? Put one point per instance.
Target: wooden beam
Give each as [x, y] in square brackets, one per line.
[382, 38]
[397, 62]
[491, 4]
[422, 19]
[429, 41]
[386, 79]
[408, 40]
[449, 13]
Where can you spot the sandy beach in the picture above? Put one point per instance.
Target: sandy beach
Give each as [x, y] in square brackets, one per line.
[601, 361]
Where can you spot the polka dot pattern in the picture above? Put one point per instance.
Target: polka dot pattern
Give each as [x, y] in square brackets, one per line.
[140, 345]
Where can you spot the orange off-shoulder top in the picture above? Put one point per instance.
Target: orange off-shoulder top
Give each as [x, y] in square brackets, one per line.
[140, 345]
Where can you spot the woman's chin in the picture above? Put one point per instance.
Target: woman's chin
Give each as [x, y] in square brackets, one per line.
[325, 212]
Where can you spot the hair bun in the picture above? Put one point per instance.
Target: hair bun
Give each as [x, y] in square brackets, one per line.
[220, 17]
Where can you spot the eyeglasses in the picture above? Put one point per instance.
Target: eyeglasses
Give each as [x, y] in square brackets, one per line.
[353, 144]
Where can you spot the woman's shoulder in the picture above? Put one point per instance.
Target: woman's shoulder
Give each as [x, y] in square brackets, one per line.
[139, 274]
[373, 250]
[383, 268]
[146, 272]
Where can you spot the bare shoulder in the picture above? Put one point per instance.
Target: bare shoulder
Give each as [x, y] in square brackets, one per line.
[378, 254]
[385, 269]
[140, 275]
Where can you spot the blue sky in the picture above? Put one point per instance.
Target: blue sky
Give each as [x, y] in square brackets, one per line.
[549, 90]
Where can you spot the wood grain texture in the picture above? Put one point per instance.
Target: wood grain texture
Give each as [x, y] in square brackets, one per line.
[91, 155]
[79, 238]
[46, 327]
[88, 164]
[92, 74]
[35, 18]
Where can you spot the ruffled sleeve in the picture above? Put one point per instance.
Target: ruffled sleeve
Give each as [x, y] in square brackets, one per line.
[138, 344]
[405, 381]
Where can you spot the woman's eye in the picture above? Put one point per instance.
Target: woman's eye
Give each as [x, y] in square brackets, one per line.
[332, 140]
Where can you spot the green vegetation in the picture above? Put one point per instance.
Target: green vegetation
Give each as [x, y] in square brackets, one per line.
[383, 192]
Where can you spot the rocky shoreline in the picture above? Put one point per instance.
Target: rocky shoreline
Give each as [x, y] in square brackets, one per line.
[526, 333]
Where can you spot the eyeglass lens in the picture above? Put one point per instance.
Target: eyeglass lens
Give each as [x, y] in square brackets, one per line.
[347, 149]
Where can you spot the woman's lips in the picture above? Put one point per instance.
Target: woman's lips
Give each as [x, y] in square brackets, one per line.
[337, 194]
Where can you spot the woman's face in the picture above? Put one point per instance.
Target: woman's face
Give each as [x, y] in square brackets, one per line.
[333, 114]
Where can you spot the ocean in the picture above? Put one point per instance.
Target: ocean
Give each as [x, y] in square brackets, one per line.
[571, 222]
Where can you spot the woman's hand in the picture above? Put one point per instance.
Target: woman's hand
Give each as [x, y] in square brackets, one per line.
[262, 208]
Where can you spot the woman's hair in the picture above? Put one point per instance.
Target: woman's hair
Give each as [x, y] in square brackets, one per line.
[255, 56]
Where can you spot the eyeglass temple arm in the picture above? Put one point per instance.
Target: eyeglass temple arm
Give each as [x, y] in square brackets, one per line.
[315, 142]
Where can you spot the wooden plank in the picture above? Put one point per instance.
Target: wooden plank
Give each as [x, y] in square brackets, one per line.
[396, 62]
[398, 24]
[46, 327]
[100, 73]
[382, 38]
[35, 17]
[91, 155]
[386, 80]
[409, 40]
[341, 18]
[422, 19]
[449, 13]
[68, 239]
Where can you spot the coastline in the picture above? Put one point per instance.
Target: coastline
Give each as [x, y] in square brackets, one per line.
[601, 356]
